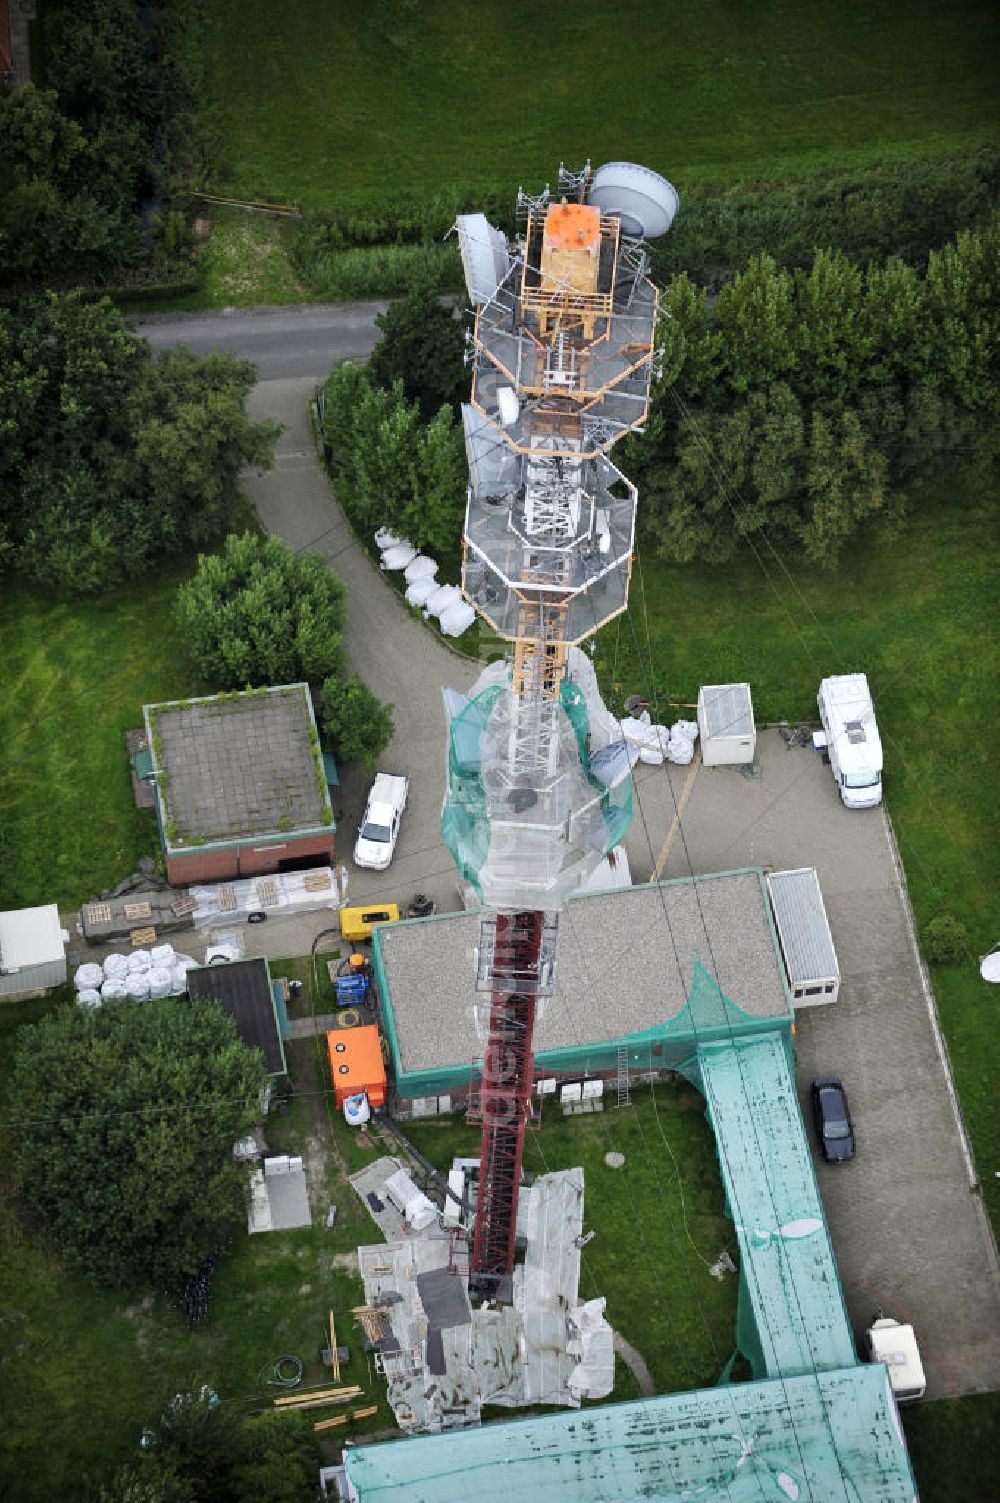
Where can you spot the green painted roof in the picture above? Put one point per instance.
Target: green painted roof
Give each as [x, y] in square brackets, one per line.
[834, 1438]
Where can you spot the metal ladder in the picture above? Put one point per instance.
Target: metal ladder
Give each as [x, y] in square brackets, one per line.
[623, 1096]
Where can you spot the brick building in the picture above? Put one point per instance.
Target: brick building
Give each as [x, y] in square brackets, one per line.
[240, 784]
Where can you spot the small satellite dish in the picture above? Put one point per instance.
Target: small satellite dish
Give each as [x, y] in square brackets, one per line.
[989, 966]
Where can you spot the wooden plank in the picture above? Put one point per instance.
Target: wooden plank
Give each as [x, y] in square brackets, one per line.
[357, 1414]
[138, 911]
[318, 1403]
[321, 1395]
[141, 937]
[334, 1359]
[328, 1424]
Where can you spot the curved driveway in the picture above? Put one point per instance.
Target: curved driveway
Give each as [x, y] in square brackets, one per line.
[400, 660]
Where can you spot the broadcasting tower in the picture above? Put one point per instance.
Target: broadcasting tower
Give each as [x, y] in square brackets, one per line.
[539, 783]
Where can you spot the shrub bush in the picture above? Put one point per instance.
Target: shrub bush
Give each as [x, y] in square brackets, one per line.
[946, 941]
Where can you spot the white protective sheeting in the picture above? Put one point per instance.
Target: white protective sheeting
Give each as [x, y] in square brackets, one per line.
[398, 557]
[457, 619]
[252, 896]
[594, 1375]
[420, 567]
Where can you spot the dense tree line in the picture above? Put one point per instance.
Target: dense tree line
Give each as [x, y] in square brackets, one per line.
[78, 155]
[257, 614]
[110, 460]
[391, 467]
[131, 1113]
[816, 401]
[203, 1452]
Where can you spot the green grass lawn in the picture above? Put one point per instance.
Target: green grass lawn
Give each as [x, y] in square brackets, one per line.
[77, 673]
[918, 614]
[351, 104]
[660, 1221]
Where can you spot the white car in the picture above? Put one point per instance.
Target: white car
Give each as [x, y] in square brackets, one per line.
[380, 826]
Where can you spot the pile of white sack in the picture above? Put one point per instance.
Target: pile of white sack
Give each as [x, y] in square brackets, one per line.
[445, 603]
[659, 743]
[142, 976]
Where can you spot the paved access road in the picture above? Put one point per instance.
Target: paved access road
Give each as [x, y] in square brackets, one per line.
[296, 339]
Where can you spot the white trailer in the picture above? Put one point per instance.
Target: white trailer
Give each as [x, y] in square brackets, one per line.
[804, 936]
[32, 951]
[725, 725]
[889, 1341]
[852, 739]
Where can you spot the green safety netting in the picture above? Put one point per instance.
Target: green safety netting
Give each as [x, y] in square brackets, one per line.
[477, 738]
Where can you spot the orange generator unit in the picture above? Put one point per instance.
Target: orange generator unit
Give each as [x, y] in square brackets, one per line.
[356, 1064]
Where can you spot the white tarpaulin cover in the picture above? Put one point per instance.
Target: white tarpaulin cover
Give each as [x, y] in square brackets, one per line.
[253, 896]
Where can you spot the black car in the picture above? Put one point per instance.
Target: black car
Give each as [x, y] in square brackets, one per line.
[833, 1119]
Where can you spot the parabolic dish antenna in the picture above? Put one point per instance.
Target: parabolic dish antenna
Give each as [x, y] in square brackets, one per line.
[643, 200]
[989, 966]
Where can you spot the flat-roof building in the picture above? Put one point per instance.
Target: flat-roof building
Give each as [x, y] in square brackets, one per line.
[624, 972]
[240, 784]
[244, 990]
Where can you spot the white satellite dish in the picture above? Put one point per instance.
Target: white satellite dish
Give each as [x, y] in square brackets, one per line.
[989, 966]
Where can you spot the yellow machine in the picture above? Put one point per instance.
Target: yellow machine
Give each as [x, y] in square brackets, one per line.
[357, 923]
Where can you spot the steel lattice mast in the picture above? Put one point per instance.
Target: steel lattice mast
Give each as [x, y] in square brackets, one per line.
[538, 789]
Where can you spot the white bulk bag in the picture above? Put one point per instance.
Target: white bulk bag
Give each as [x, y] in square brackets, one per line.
[443, 598]
[138, 962]
[137, 986]
[88, 977]
[178, 980]
[420, 567]
[162, 956]
[88, 997]
[114, 989]
[384, 539]
[398, 557]
[685, 730]
[419, 590]
[115, 966]
[457, 619]
[160, 981]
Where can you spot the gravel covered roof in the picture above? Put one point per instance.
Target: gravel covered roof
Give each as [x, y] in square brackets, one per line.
[624, 962]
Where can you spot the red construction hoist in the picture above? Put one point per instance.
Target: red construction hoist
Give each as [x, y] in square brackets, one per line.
[516, 973]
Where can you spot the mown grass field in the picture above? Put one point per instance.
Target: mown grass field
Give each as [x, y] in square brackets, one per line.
[349, 105]
[77, 673]
[918, 614]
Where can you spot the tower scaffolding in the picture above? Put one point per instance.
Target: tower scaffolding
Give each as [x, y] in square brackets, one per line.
[562, 354]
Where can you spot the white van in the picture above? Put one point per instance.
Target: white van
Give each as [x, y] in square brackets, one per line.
[895, 1344]
[852, 738]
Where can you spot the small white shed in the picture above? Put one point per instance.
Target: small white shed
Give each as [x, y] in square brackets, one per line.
[725, 724]
[32, 951]
[804, 936]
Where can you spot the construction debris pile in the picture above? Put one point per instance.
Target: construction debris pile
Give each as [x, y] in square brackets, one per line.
[442, 1358]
